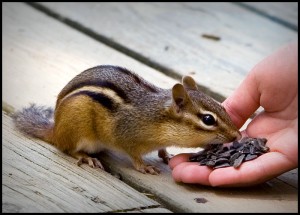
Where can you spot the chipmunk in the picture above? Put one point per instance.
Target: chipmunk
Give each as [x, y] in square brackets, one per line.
[110, 107]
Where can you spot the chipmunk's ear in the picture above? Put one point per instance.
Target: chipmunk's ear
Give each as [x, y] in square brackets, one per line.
[180, 96]
[189, 83]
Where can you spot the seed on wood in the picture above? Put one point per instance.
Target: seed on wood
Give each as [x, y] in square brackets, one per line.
[210, 36]
[200, 200]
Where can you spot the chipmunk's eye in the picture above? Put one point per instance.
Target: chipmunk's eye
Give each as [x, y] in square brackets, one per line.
[208, 119]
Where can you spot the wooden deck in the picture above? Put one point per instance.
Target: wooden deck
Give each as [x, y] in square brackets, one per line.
[47, 44]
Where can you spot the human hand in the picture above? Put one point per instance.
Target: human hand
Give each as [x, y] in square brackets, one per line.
[272, 84]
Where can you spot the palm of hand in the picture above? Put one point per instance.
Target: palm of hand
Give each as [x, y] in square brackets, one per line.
[273, 85]
[282, 141]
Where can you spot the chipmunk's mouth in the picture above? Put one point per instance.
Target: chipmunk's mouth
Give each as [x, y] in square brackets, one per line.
[216, 141]
[219, 139]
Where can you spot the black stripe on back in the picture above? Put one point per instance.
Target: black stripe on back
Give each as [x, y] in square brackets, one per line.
[100, 98]
[104, 84]
[138, 80]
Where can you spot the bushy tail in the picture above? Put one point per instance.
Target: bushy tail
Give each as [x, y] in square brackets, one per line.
[36, 122]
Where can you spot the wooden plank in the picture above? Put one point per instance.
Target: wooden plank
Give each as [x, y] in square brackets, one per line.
[48, 64]
[272, 196]
[170, 36]
[285, 13]
[45, 61]
[290, 177]
[37, 177]
[150, 210]
[35, 57]
[33, 71]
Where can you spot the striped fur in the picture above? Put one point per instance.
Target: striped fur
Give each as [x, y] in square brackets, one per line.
[111, 107]
[100, 84]
[102, 99]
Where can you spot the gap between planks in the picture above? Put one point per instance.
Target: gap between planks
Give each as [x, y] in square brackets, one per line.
[262, 13]
[121, 48]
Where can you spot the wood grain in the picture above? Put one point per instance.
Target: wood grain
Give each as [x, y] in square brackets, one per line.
[37, 177]
[42, 74]
[282, 12]
[272, 196]
[37, 62]
[170, 34]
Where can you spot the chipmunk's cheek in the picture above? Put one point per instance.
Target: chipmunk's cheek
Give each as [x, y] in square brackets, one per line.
[177, 159]
[192, 173]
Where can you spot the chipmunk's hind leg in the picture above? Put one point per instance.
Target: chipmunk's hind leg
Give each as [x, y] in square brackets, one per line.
[84, 158]
[143, 168]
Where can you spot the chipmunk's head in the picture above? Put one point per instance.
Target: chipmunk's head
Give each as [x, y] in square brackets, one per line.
[197, 118]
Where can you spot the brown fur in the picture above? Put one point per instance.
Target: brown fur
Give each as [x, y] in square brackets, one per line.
[119, 110]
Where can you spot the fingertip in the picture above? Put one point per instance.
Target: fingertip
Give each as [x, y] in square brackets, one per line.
[224, 177]
[176, 173]
[191, 173]
[177, 159]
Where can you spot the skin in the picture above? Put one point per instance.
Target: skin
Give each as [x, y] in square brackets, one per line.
[272, 84]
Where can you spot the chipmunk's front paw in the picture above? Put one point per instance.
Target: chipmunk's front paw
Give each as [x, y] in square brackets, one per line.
[164, 155]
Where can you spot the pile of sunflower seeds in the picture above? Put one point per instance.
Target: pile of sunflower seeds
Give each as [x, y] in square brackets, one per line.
[218, 155]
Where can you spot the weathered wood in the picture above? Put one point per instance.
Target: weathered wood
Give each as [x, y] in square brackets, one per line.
[285, 13]
[272, 196]
[44, 61]
[44, 82]
[41, 55]
[290, 177]
[148, 210]
[37, 177]
[171, 35]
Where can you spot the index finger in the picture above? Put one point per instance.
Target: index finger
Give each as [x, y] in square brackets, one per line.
[243, 102]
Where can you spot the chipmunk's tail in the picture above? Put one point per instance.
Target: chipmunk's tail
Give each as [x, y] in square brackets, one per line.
[36, 121]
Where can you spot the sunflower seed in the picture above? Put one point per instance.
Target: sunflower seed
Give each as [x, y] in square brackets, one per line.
[217, 156]
[238, 161]
[234, 157]
[222, 165]
[221, 161]
[250, 157]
